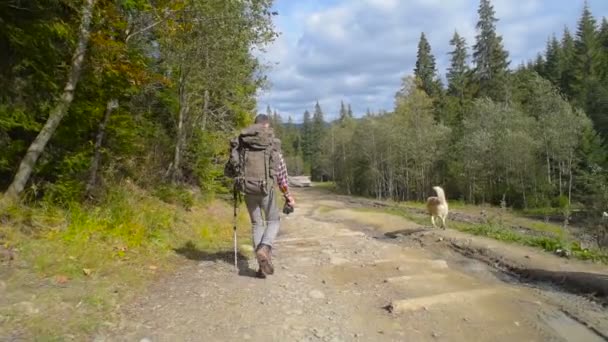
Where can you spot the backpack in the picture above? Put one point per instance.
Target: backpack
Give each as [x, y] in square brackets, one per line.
[252, 160]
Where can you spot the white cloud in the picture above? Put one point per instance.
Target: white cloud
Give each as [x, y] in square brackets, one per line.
[358, 50]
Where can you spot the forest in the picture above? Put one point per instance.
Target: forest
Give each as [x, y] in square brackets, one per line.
[530, 137]
[98, 91]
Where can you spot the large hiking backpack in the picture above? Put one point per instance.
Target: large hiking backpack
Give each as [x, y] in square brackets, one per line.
[252, 160]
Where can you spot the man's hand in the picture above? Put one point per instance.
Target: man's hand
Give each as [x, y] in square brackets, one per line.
[290, 200]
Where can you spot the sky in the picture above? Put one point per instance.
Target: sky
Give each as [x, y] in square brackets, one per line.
[358, 51]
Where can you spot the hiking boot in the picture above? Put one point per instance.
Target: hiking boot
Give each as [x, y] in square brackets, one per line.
[270, 266]
[263, 256]
[260, 274]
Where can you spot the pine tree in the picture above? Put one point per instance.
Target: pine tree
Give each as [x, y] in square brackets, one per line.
[567, 64]
[489, 56]
[317, 136]
[587, 60]
[343, 112]
[458, 70]
[349, 112]
[307, 137]
[539, 65]
[277, 125]
[588, 90]
[603, 40]
[552, 70]
[425, 69]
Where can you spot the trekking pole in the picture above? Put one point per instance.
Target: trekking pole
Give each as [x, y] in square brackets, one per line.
[235, 195]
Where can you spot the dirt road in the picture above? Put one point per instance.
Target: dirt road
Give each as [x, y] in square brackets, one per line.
[334, 282]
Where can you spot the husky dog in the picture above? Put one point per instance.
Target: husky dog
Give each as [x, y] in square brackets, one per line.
[437, 206]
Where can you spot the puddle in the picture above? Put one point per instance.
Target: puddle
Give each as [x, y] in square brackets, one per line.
[568, 328]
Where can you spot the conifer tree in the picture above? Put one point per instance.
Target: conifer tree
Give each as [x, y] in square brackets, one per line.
[552, 68]
[458, 70]
[425, 69]
[489, 56]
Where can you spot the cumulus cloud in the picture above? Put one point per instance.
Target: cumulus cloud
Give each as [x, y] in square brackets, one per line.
[358, 50]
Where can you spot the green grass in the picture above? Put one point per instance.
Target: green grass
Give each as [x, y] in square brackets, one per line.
[331, 186]
[76, 265]
[507, 234]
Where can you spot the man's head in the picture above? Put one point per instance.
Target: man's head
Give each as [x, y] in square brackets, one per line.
[263, 120]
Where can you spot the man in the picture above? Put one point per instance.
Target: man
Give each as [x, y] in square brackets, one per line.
[264, 234]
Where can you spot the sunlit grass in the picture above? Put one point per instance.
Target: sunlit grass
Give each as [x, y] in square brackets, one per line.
[74, 266]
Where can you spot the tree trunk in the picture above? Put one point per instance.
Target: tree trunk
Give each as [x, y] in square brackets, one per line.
[59, 111]
[110, 106]
[560, 178]
[181, 132]
[548, 165]
[570, 179]
[205, 109]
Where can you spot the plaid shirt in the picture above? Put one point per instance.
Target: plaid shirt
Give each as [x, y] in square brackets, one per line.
[281, 175]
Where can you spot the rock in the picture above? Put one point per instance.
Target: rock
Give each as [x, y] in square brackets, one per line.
[145, 339]
[436, 334]
[246, 337]
[316, 294]
[440, 239]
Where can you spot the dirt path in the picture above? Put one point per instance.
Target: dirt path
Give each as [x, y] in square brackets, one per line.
[335, 283]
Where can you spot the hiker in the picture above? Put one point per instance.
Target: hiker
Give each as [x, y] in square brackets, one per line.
[256, 177]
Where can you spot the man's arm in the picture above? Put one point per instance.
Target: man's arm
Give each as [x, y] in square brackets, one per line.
[282, 178]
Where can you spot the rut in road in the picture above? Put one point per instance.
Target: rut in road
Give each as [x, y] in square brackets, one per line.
[335, 283]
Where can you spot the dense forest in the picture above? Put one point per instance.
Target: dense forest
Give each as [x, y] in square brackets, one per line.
[99, 91]
[531, 136]
[96, 91]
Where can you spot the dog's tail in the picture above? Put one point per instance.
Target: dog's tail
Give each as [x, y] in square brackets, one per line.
[440, 194]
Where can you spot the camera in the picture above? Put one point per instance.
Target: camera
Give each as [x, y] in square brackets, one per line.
[287, 209]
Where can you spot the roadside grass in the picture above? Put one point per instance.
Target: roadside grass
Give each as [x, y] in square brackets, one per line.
[74, 267]
[331, 186]
[503, 231]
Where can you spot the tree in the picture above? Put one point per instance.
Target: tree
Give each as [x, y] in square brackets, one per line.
[587, 60]
[349, 111]
[567, 64]
[552, 67]
[588, 91]
[489, 56]
[425, 69]
[307, 138]
[318, 153]
[458, 69]
[539, 64]
[603, 40]
[206, 49]
[61, 107]
[343, 113]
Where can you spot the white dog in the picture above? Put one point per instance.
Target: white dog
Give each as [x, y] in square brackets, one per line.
[437, 206]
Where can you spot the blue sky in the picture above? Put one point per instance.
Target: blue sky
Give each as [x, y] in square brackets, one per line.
[359, 50]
